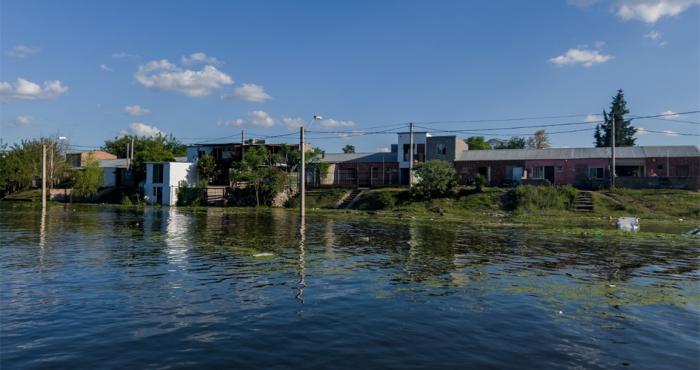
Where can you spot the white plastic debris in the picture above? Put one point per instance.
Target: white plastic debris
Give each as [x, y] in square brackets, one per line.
[265, 254]
[628, 223]
[695, 231]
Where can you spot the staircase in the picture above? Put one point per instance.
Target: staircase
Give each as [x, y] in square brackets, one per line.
[583, 202]
[350, 198]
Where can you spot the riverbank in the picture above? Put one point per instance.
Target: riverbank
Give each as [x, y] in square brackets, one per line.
[547, 209]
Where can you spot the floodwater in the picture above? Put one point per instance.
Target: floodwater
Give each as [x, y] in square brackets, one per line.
[101, 287]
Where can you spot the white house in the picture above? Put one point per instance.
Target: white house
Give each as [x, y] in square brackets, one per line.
[163, 179]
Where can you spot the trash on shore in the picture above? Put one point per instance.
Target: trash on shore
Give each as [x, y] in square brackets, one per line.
[264, 254]
[695, 231]
[628, 223]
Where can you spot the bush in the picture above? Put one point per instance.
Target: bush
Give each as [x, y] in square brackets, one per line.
[192, 195]
[532, 197]
[435, 179]
[479, 182]
[376, 200]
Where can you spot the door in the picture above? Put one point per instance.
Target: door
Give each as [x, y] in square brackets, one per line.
[517, 174]
[549, 174]
[159, 194]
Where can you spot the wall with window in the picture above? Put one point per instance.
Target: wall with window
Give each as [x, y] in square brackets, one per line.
[673, 167]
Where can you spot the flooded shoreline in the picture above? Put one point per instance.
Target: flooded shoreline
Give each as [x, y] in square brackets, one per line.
[182, 288]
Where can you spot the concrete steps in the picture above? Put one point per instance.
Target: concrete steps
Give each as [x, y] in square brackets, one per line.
[350, 198]
[583, 201]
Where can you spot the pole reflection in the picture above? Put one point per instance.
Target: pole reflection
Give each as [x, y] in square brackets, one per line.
[301, 284]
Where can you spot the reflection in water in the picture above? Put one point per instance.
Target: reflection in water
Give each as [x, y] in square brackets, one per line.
[301, 284]
[410, 294]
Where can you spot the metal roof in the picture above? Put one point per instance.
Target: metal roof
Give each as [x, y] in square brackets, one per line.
[116, 163]
[579, 153]
[359, 157]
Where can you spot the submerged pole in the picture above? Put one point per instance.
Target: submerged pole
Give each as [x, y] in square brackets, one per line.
[43, 176]
[302, 174]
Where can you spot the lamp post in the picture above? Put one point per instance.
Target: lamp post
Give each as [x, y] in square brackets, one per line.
[302, 170]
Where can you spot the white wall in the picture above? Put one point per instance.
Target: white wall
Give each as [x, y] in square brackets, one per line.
[174, 173]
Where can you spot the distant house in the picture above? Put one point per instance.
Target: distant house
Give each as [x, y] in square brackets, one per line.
[79, 159]
[495, 143]
[115, 172]
[163, 179]
[226, 154]
[357, 169]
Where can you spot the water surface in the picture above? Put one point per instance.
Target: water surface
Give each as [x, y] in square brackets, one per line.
[101, 287]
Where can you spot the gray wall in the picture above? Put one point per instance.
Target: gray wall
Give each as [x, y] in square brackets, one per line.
[454, 146]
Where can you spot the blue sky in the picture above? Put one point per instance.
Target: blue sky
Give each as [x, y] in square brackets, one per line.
[94, 70]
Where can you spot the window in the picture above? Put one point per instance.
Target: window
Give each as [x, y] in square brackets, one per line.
[157, 173]
[683, 170]
[596, 172]
[405, 152]
[538, 172]
[441, 149]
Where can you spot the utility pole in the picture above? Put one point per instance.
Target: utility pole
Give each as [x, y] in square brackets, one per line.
[410, 155]
[128, 160]
[43, 177]
[612, 146]
[302, 174]
[242, 144]
[132, 148]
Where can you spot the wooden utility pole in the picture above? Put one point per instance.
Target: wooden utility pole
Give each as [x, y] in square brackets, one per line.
[302, 175]
[43, 177]
[410, 155]
[612, 147]
[242, 144]
[132, 148]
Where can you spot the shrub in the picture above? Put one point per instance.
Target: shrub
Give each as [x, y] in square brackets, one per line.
[376, 200]
[435, 178]
[192, 195]
[88, 180]
[479, 182]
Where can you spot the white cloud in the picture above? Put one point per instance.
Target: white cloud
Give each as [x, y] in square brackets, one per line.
[650, 11]
[142, 130]
[351, 134]
[670, 115]
[593, 118]
[21, 51]
[249, 92]
[165, 76]
[653, 35]
[586, 57]
[27, 90]
[199, 58]
[136, 110]
[293, 123]
[384, 149]
[256, 118]
[124, 55]
[105, 68]
[23, 121]
[329, 122]
[669, 133]
[641, 131]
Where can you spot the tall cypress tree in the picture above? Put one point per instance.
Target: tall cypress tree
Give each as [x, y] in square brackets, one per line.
[624, 131]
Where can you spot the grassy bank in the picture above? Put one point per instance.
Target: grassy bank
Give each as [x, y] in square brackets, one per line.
[668, 211]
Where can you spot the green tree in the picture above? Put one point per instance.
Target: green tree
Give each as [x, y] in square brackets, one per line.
[158, 148]
[514, 142]
[540, 140]
[349, 148]
[436, 178]
[20, 164]
[89, 179]
[624, 131]
[206, 168]
[477, 143]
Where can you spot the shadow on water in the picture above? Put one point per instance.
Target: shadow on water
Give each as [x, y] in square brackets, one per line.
[255, 288]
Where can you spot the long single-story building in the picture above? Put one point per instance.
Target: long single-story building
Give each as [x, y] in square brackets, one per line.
[584, 167]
